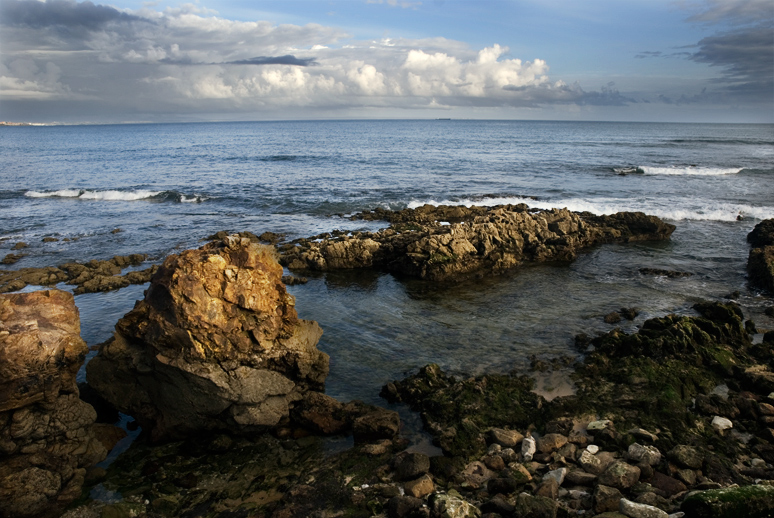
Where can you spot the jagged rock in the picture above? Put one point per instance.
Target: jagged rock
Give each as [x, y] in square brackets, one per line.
[480, 239]
[551, 442]
[686, 456]
[505, 438]
[47, 438]
[448, 506]
[620, 475]
[409, 466]
[760, 263]
[215, 344]
[376, 425]
[648, 454]
[606, 498]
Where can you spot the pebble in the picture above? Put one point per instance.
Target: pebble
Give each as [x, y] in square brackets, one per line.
[599, 425]
[721, 423]
[592, 449]
[528, 448]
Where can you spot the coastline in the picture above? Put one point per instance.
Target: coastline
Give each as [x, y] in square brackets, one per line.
[366, 479]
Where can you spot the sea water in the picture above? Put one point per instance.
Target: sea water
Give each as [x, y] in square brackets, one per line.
[158, 189]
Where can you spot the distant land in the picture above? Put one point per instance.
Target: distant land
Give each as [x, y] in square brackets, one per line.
[4, 123]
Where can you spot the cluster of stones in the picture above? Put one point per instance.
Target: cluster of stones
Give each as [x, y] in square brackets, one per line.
[90, 277]
[440, 243]
[47, 434]
[760, 263]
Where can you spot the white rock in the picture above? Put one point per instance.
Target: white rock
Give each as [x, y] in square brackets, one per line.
[592, 449]
[634, 510]
[528, 448]
[577, 494]
[556, 474]
[640, 453]
[758, 463]
[678, 514]
[721, 423]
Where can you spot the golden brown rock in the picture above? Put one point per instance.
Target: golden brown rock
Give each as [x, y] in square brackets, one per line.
[216, 343]
[46, 432]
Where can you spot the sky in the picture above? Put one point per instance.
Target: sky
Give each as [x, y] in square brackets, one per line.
[217, 60]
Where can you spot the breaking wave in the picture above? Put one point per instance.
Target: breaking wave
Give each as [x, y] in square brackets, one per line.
[116, 195]
[690, 170]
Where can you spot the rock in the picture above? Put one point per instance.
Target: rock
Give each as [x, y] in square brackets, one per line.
[629, 313]
[11, 258]
[596, 426]
[591, 463]
[420, 487]
[476, 474]
[535, 506]
[321, 413]
[635, 510]
[528, 448]
[548, 488]
[216, 344]
[505, 438]
[482, 239]
[47, 439]
[606, 498]
[620, 475]
[558, 474]
[647, 454]
[498, 506]
[550, 442]
[760, 263]
[502, 486]
[672, 274]
[580, 478]
[652, 499]
[748, 501]
[721, 424]
[666, 484]
[403, 506]
[409, 466]
[494, 462]
[687, 476]
[592, 449]
[376, 425]
[19, 245]
[447, 506]
[686, 456]
[612, 318]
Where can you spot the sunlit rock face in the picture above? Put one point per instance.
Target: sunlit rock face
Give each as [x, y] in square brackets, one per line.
[215, 344]
[46, 432]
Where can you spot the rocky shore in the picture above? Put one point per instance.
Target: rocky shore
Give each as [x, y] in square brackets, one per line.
[452, 243]
[676, 419]
[760, 264]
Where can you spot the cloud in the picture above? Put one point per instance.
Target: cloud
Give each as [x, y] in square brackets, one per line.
[275, 60]
[60, 13]
[730, 11]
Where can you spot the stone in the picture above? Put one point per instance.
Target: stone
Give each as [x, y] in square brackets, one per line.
[652, 499]
[505, 438]
[420, 487]
[599, 425]
[686, 456]
[503, 486]
[216, 344]
[548, 488]
[535, 506]
[579, 477]
[403, 506]
[612, 318]
[760, 263]
[47, 433]
[606, 498]
[667, 485]
[721, 424]
[748, 501]
[647, 454]
[448, 506]
[592, 449]
[409, 466]
[476, 474]
[558, 474]
[494, 462]
[498, 506]
[591, 463]
[550, 442]
[635, 510]
[620, 475]
[376, 425]
[528, 448]
[687, 476]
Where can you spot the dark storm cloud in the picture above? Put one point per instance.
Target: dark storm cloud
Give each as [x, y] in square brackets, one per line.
[746, 55]
[60, 14]
[569, 94]
[275, 60]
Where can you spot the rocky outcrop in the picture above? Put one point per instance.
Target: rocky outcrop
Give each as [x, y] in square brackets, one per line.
[46, 436]
[760, 263]
[90, 277]
[215, 344]
[440, 243]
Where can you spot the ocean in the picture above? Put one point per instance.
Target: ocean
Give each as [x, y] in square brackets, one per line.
[169, 186]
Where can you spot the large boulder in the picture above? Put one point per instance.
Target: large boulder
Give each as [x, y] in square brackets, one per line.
[760, 263]
[46, 435]
[215, 344]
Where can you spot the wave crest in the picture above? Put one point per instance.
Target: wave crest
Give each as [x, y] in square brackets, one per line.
[116, 195]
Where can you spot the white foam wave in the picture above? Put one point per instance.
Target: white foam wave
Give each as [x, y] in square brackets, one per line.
[690, 170]
[110, 195]
[669, 209]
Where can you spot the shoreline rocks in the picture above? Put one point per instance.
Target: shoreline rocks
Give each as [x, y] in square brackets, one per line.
[760, 263]
[450, 243]
[47, 434]
[90, 277]
[215, 345]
